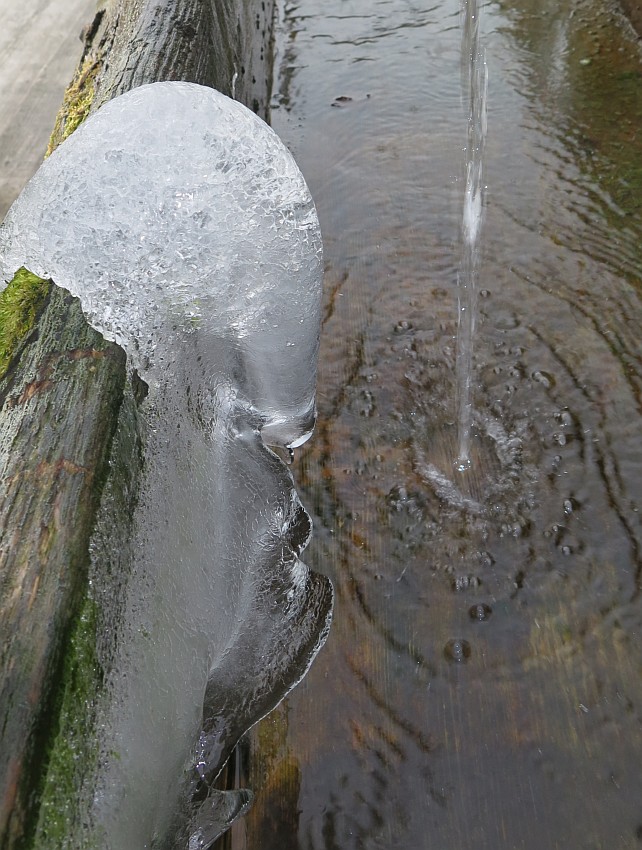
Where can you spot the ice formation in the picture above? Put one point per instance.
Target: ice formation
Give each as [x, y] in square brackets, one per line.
[187, 231]
[174, 209]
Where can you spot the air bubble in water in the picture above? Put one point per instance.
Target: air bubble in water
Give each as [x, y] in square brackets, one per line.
[480, 612]
[544, 378]
[457, 651]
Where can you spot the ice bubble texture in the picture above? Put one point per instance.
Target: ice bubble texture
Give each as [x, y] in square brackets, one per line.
[175, 209]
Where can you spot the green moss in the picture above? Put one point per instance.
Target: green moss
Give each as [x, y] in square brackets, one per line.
[75, 105]
[73, 753]
[20, 303]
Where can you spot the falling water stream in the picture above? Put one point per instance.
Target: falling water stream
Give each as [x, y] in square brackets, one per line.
[474, 92]
[481, 687]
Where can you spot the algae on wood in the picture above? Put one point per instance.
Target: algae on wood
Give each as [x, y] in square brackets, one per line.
[20, 303]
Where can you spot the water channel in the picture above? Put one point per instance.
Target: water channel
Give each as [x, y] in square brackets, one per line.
[481, 687]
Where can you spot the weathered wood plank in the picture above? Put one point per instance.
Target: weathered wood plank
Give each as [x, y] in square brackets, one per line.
[225, 44]
[64, 388]
[60, 404]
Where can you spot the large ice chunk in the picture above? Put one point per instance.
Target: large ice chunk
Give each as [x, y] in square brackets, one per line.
[187, 231]
[174, 209]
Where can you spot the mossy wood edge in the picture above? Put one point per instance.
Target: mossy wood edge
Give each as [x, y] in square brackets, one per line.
[62, 388]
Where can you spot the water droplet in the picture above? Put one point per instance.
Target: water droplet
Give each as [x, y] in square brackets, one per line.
[485, 559]
[457, 651]
[398, 497]
[463, 582]
[463, 464]
[544, 378]
[480, 612]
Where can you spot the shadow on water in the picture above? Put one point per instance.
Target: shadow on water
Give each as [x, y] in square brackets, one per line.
[482, 685]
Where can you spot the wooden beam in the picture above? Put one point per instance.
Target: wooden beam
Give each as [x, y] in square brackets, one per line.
[63, 391]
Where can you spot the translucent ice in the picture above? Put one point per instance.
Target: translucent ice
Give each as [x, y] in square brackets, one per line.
[187, 231]
[174, 209]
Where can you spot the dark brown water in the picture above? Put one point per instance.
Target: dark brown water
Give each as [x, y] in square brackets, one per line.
[482, 684]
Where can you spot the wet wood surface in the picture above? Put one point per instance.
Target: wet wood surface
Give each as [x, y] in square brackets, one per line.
[59, 407]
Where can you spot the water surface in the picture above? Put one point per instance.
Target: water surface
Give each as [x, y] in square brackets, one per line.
[482, 684]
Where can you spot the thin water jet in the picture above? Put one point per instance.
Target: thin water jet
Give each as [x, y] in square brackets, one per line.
[474, 79]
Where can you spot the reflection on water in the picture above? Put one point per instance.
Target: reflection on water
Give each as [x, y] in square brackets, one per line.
[482, 685]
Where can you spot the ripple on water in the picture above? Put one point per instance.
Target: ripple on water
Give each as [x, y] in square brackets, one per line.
[457, 651]
[558, 396]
